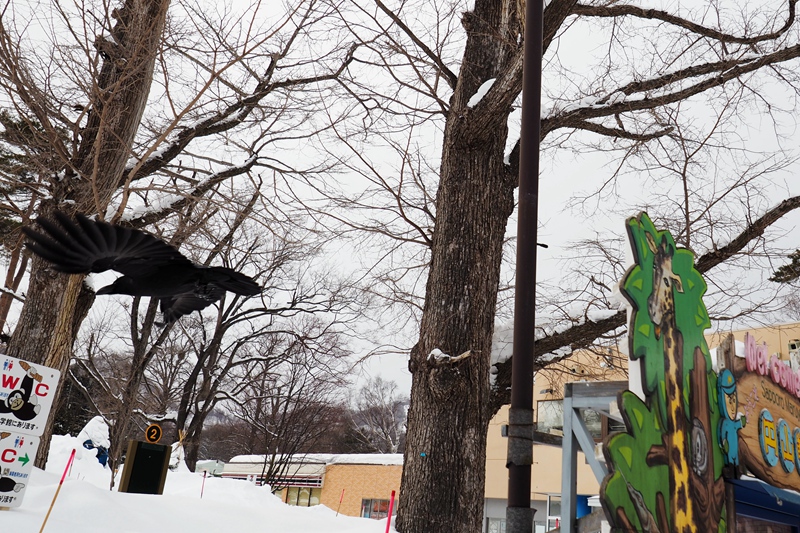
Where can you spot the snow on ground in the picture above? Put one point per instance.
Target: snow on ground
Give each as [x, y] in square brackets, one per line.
[85, 504]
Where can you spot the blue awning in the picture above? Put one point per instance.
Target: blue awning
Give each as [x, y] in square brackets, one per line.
[761, 500]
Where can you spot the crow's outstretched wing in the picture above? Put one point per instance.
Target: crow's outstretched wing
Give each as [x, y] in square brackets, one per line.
[92, 246]
[174, 307]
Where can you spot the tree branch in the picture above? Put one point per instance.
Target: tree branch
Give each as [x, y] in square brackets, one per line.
[584, 334]
[621, 10]
[718, 73]
[620, 133]
[230, 117]
[448, 74]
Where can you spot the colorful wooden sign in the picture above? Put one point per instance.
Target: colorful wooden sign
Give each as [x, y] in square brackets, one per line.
[764, 413]
[26, 396]
[665, 470]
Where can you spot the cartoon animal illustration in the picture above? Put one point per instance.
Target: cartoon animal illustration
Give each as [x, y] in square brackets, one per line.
[730, 423]
[646, 518]
[664, 469]
[21, 403]
[700, 451]
[8, 484]
[695, 495]
[661, 307]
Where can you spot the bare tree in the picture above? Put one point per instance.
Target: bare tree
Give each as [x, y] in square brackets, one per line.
[461, 86]
[178, 374]
[288, 393]
[379, 416]
[129, 110]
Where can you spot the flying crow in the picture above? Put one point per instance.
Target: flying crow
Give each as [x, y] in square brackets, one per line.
[149, 266]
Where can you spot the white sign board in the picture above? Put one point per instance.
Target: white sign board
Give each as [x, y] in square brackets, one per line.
[26, 395]
[17, 452]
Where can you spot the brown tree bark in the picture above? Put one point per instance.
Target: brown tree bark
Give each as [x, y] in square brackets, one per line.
[56, 304]
[451, 402]
[448, 417]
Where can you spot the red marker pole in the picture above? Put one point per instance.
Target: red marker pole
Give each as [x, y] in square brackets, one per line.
[389, 519]
[203, 486]
[64, 475]
[341, 497]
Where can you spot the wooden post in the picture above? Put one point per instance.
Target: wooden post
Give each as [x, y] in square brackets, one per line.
[64, 475]
[341, 497]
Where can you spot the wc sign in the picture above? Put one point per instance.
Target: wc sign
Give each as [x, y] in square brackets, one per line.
[26, 395]
[17, 452]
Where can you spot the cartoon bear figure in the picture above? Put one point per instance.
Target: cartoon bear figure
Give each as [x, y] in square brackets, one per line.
[729, 423]
[20, 402]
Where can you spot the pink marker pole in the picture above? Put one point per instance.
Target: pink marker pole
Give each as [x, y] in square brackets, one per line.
[341, 497]
[391, 507]
[203, 486]
[63, 476]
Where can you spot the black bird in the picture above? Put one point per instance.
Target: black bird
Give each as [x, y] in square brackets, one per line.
[149, 266]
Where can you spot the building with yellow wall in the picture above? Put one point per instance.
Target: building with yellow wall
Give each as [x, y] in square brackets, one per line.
[781, 339]
[352, 484]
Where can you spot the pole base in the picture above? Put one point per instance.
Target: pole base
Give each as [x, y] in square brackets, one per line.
[519, 519]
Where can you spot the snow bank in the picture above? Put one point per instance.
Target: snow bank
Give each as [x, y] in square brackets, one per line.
[85, 504]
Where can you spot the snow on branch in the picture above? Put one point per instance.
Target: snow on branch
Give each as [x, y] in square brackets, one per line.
[440, 358]
[157, 211]
[481, 92]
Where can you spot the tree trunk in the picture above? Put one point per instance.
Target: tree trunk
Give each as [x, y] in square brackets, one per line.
[56, 304]
[445, 456]
[54, 308]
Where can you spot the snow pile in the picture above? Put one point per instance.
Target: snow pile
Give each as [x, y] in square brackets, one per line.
[85, 504]
[97, 432]
[438, 356]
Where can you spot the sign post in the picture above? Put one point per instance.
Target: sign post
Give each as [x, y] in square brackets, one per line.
[146, 464]
[759, 397]
[17, 452]
[26, 397]
[153, 433]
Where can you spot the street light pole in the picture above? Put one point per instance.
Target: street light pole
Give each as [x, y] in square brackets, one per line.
[519, 515]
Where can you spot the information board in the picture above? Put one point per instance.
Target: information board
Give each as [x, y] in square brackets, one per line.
[26, 395]
[17, 452]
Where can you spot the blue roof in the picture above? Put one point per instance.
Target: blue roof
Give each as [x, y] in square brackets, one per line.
[761, 500]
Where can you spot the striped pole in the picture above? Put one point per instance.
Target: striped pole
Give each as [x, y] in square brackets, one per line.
[341, 497]
[389, 518]
[64, 475]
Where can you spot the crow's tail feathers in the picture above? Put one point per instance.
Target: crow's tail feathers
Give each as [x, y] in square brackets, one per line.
[233, 281]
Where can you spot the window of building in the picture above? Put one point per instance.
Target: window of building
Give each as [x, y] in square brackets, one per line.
[550, 416]
[612, 426]
[302, 496]
[553, 511]
[550, 419]
[375, 509]
[495, 525]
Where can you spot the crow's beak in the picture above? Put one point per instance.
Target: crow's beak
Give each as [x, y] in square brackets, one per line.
[104, 290]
